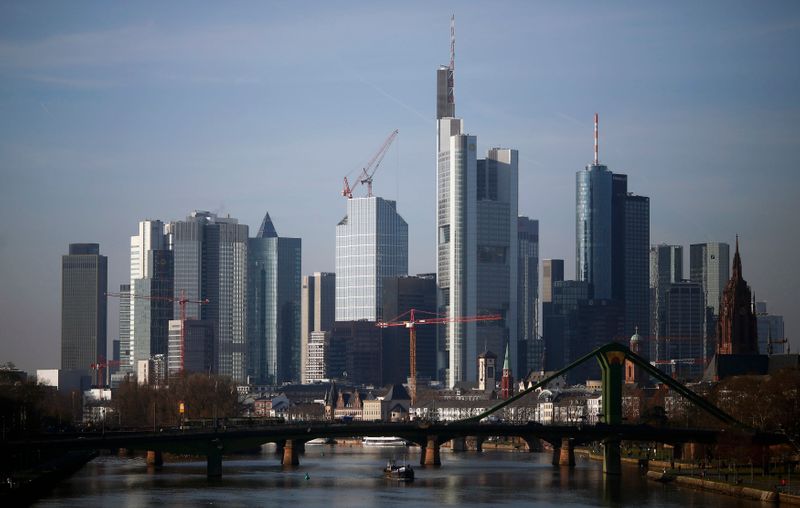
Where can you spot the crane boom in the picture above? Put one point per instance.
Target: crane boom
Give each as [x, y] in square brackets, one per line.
[409, 320]
[368, 171]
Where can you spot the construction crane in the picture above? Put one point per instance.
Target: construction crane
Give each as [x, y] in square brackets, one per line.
[368, 171]
[182, 301]
[411, 321]
[101, 365]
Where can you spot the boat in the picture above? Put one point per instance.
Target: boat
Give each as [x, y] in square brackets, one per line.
[398, 473]
[322, 441]
[384, 441]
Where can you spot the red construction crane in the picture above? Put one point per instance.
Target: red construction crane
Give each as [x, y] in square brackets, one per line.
[101, 365]
[412, 322]
[368, 171]
[182, 301]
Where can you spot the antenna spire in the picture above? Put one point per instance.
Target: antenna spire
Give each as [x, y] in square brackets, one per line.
[596, 158]
[452, 42]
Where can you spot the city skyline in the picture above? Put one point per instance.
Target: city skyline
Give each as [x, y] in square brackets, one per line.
[705, 123]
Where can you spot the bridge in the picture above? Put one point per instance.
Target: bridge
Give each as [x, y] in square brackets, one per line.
[213, 444]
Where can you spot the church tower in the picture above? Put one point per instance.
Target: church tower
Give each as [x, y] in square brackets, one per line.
[737, 325]
[507, 381]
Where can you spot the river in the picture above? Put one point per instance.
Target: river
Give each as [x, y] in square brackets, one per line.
[350, 477]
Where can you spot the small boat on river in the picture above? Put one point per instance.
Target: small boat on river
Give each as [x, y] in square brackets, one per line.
[398, 473]
[384, 441]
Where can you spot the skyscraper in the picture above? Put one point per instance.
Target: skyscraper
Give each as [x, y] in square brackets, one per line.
[151, 276]
[636, 292]
[771, 336]
[371, 244]
[683, 309]
[476, 239]
[84, 282]
[530, 346]
[126, 363]
[317, 314]
[273, 305]
[210, 262]
[666, 267]
[709, 264]
[552, 272]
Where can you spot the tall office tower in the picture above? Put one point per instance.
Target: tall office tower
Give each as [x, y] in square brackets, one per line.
[636, 284]
[736, 328]
[198, 353]
[84, 282]
[771, 336]
[210, 260]
[552, 272]
[273, 305]
[560, 318]
[355, 352]
[530, 347]
[400, 295]
[709, 264]
[125, 358]
[684, 330]
[476, 240]
[666, 267]
[371, 244]
[317, 314]
[317, 358]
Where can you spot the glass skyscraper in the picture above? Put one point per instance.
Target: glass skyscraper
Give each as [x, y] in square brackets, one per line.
[709, 264]
[84, 282]
[593, 250]
[530, 356]
[371, 244]
[273, 306]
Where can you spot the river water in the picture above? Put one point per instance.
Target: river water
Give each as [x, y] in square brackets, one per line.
[350, 477]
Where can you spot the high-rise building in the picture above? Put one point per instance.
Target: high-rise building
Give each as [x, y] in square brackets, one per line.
[355, 352]
[84, 282]
[317, 314]
[126, 363]
[273, 305]
[530, 346]
[400, 295]
[593, 229]
[771, 335]
[210, 262]
[552, 272]
[737, 332]
[683, 306]
[318, 357]
[666, 267]
[199, 350]
[150, 277]
[476, 239]
[635, 280]
[560, 322]
[709, 264]
[371, 244]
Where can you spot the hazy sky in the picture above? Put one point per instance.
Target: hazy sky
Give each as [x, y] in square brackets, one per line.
[111, 113]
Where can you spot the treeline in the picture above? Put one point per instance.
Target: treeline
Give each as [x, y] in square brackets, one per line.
[145, 406]
[27, 407]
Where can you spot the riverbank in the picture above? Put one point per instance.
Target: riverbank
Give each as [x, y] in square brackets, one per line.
[23, 487]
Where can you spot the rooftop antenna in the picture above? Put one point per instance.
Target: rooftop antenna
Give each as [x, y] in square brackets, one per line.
[596, 159]
[451, 93]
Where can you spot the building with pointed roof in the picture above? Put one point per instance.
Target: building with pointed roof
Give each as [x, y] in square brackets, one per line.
[737, 331]
[507, 381]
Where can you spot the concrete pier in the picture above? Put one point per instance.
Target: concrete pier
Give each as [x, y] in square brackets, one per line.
[430, 453]
[291, 456]
[154, 458]
[567, 453]
[612, 459]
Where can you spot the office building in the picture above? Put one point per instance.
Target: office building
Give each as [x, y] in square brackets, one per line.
[318, 357]
[771, 335]
[371, 244]
[476, 240]
[210, 263]
[317, 312]
[529, 346]
[273, 306]
[198, 352]
[666, 267]
[125, 359]
[636, 294]
[355, 352]
[400, 295]
[593, 229]
[709, 264]
[683, 306]
[552, 272]
[84, 283]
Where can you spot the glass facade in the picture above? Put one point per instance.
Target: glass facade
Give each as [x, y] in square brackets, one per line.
[684, 327]
[709, 264]
[531, 350]
[593, 242]
[636, 279]
[371, 244]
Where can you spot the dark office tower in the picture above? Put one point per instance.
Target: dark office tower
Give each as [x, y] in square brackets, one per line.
[561, 322]
[84, 276]
[530, 346]
[210, 259]
[737, 332]
[552, 272]
[125, 361]
[636, 283]
[684, 330]
[400, 295]
[151, 316]
[273, 306]
[619, 240]
[317, 314]
[709, 264]
[666, 267]
[355, 352]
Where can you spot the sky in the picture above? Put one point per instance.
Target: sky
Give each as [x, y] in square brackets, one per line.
[111, 113]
